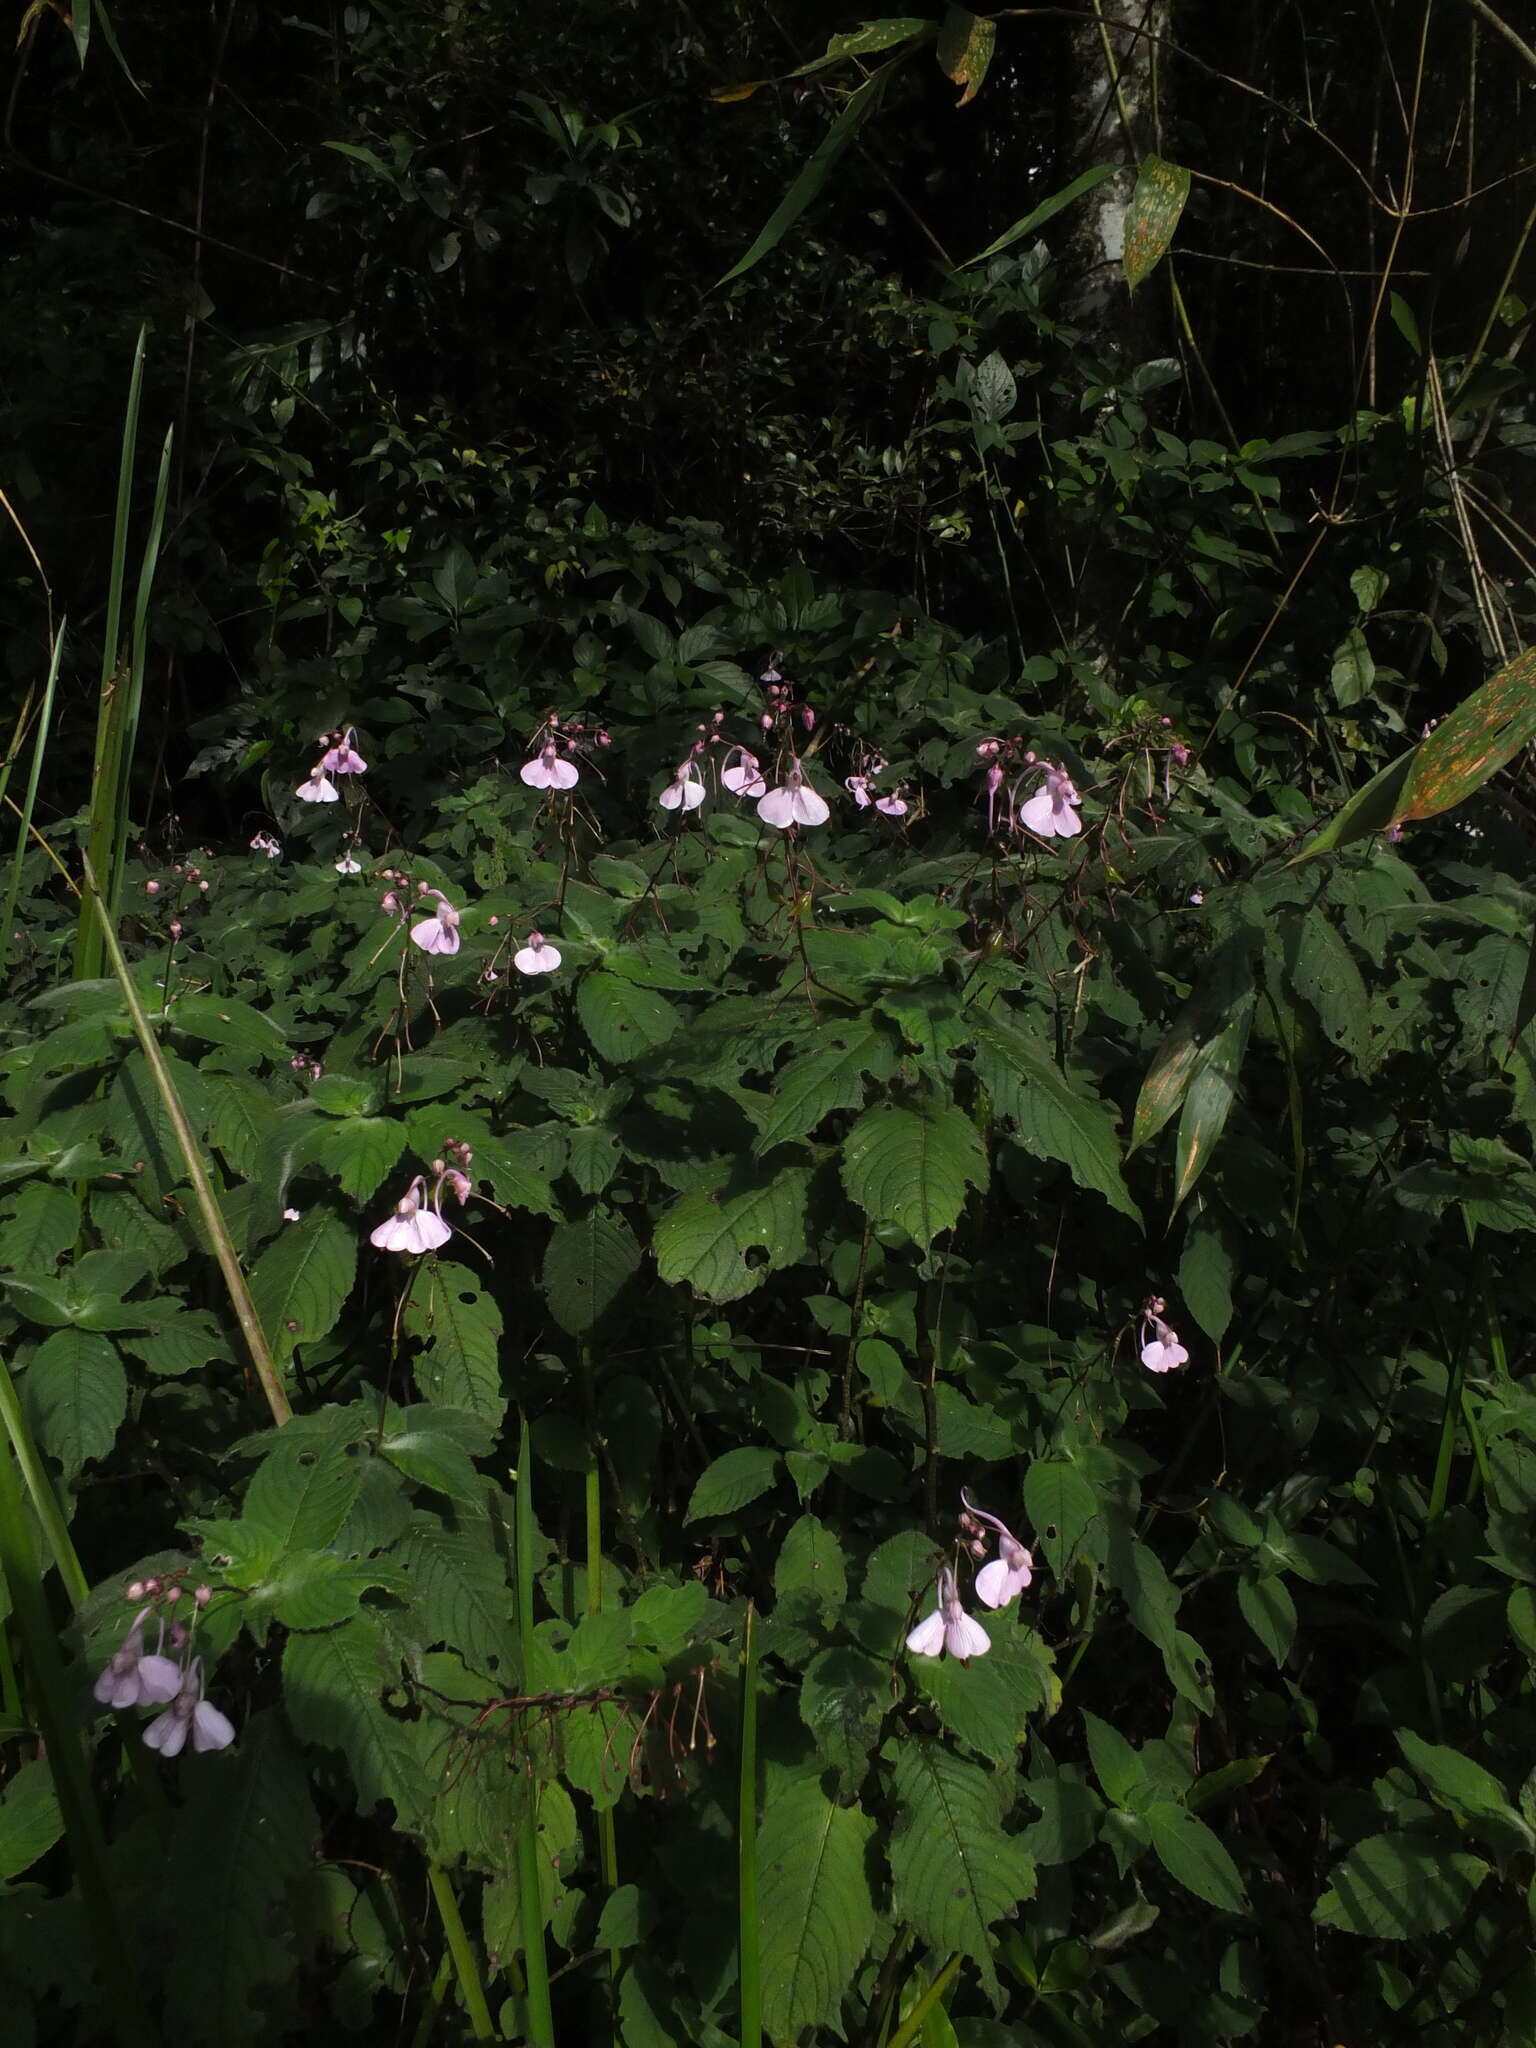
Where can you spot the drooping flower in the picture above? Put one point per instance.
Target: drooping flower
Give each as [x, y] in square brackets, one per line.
[439, 933]
[1051, 812]
[413, 1226]
[549, 770]
[265, 843]
[1162, 1351]
[742, 775]
[1010, 1571]
[794, 802]
[348, 866]
[685, 792]
[857, 787]
[949, 1627]
[189, 1714]
[132, 1679]
[894, 805]
[319, 789]
[537, 957]
[343, 758]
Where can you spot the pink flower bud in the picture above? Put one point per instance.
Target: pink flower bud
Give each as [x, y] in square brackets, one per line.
[135, 1590]
[808, 718]
[493, 922]
[151, 888]
[172, 1595]
[175, 928]
[766, 721]
[203, 1595]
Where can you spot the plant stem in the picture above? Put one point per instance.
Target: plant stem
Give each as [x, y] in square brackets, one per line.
[462, 1954]
[45, 1503]
[912, 2025]
[749, 1960]
[436, 1993]
[541, 2020]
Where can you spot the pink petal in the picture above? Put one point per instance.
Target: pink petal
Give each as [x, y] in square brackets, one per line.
[167, 1733]
[994, 1584]
[778, 808]
[1041, 816]
[964, 1637]
[927, 1639]
[159, 1681]
[1068, 823]
[210, 1728]
[427, 1231]
[536, 775]
[809, 808]
[393, 1235]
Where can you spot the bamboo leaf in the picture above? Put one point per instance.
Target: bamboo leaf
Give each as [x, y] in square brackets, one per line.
[1153, 216]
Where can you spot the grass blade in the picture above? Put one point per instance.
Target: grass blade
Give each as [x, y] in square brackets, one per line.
[29, 802]
[461, 1950]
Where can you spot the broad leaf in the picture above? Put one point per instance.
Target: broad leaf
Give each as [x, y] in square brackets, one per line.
[912, 1166]
[1153, 216]
[302, 1279]
[1398, 1887]
[725, 1238]
[1054, 1119]
[586, 1264]
[459, 1328]
[76, 1396]
[815, 1914]
[1193, 1854]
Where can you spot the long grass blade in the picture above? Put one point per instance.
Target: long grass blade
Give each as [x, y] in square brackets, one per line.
[749, 1956]
[461, 1950]
[541, 2019]
[202, 1188]
[107, 769]
[59, 1726]
[138, 644]
[29, 802]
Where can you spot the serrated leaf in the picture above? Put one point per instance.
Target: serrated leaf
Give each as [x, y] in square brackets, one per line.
[1353, 675]
[1399, 1886]
[459, 1327]
[245, 1838]
[724, 1239]
[180, 1341]
[30, 1821]
[622, 1019]
[458, 1589]
[1054, 1119]
[76, 1396]
[811, 1574]
[1323, 971]
[993, 392]
[358, 1151]
[586, 1264]
[302, 1279]
[954, 1872]
[815, 1914]
[1460, 1783]
[1225, 994]
[435, 1446]
[1153, 216]
[139, 1125]
[1060, 1504]
[844, 1696]
[986, 1704]
[593, 1156]
[298, 1499]
[1195, 1856]
[333, 1687]
[735, 1478]
[224, 1020]
[912, 1167]
[829, 1077]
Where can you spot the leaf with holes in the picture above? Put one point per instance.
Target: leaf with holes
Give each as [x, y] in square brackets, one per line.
[724, 1239]
[829, 1077]
[586, 1264]
[459, 1328]
[302, 1279]
[1153, 216]
[622, 1019]
[1055, 1120]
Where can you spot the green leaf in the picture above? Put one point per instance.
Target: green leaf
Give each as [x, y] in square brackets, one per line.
[1070, 1814]
[1223, 996]
[76, 1396]
[1323, 972]
[813, 175]
[458, 1589]
[911, 1167]
[1462, 1785]
[1208, 1102]
[30, 1821]
[829, 1077]
[843, 1700]
[810, 1578]
[966, 42]
[1205, 1277]
[224, 1020]
[986, 1703]
[868, 40]
[586, 1264]
[298, 1499]
[1153, 216]
[40, 1224]
[709, 1238]
[179, 1341]
[435, 1446]
[1353, 675]
[1054, 1119]
[1119, 1770]
[359, 1151]
[1398, 1887]
[459, 1327]
[1085, 182]
[1060, 1504]
[1269, 1610]
[954, 1872]
[1195, 1856]
[245, 1839]
[333, 1687]
[734, 1478]
[621, 1019]
[815, 1914]
[302, 1279]
[140, 1126]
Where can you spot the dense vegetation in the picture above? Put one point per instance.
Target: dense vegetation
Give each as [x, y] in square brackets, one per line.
[768, 1047]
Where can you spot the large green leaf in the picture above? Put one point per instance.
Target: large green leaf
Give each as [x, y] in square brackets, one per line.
[1054, 1119]
[1193, 1854]
[1323, 971]
[76, 1396]
[830, 1076]
[622, 1019]
[586, 1264]
[1223, 996]
[954, 1872]
[1208, 1102]
[1399, 1886]
[912, 1166]
[457, 1586]
[359, 1151]
[1047, 209]
[30, 1821]
[302, 1279]
[736, 1477]
[815, 1914]
[725, 1238]
[40, 1224]
[297, 1500]
[459, 1328]
[333, 1687]
[966, 42]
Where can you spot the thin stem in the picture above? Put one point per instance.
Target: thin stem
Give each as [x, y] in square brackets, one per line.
[29, 802]
[436, 1993]
[207, 1202]
[750, 1971]
[45, 1502]
[915, 2020]
[462, 1954]
[607, 1838]
[541, 2021]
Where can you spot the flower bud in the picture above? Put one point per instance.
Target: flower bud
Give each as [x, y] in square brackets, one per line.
[203, 1595]
[151, 888]
[135, 1590]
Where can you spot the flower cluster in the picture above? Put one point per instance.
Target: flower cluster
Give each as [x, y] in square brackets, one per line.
[415, 1224]
[340, 758]
[136, 1677]
[1049, 811]
[949, 1627]
[1161, 1351]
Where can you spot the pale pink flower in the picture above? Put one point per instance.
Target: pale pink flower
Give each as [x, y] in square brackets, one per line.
[344, 759]
[439, 933]
[319, 789]
[548, 770]
[537, 957]
[949, 1627]
[742, 776]
[857, 787]
[348, 866]
[413, 1227]
[1051, 812]
[189, 1714]
[265, 843]
[1010, 1571]
[1162, 1351]
[131, 1679]
[293, 1215]
[458, 1184]
[894, 805]
[794, 802]
[685, 792]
